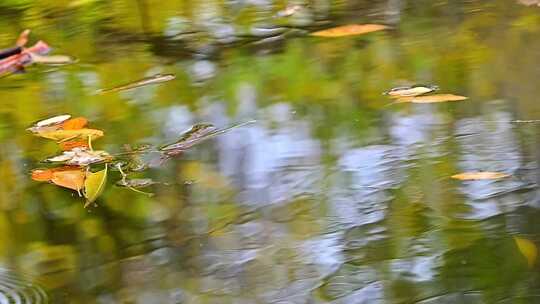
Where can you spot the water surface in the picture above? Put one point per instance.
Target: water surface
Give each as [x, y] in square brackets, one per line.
[332, 196]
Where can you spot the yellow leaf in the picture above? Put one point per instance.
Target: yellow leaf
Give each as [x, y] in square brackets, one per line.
[412, 91]
[94, 185]
[65, 135]
[349, 30]
[528, 249]
[432, 98]
[480, 175]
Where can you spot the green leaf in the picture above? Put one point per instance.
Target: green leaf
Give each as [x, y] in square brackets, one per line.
[94, 185]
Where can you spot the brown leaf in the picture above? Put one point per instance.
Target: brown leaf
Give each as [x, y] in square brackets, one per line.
[42, 175]
[71, 179]
[70, 145]
[432, 98]
[349, 30]
[480, 175]
[67, 176]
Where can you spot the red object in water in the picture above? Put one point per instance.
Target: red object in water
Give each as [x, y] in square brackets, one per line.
[24, 58]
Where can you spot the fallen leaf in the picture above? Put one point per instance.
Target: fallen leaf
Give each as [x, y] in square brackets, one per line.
[74, 123]
[136, 182]
[411, 91]
[42, 175]
[156, 79]
[528, 249]
[349, 30]
[65, 135]
[480, 175]
[190, 137]
[432, 98]
[197, 134]
[67, 176]
[94, 185]
[71, 179]
[53, 120]
[52, 60]
[80, 157]
[49, 124]
[70, 145]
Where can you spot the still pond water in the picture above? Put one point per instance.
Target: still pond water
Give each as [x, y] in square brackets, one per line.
[333, 195]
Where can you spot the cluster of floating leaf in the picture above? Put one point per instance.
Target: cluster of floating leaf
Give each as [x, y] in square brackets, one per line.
[73, 168]
[423, 94]
[75, 140]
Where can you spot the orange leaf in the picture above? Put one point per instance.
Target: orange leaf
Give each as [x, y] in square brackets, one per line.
[432, 98]
[75, 123]
[42, 175]
[349, 30]
[70, 145]
[71, 179]
[480, 175]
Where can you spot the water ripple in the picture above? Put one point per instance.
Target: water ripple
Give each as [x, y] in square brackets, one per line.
[15, 289]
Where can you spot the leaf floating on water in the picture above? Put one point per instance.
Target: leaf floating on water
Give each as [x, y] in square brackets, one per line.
[53, 120]
[136, 182]
[480, 175]
[81, 157]
[411, 91]
[156, 79]
[432, 98]
[75, 123]
[197, 134]
[52, 60]
[65, 135]
[94, 185]
[528, 249]
[70, 145]
[60, 122]
[349, 30]
[191, 137]
[42, 175]
[71, 179]
[67, 177]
